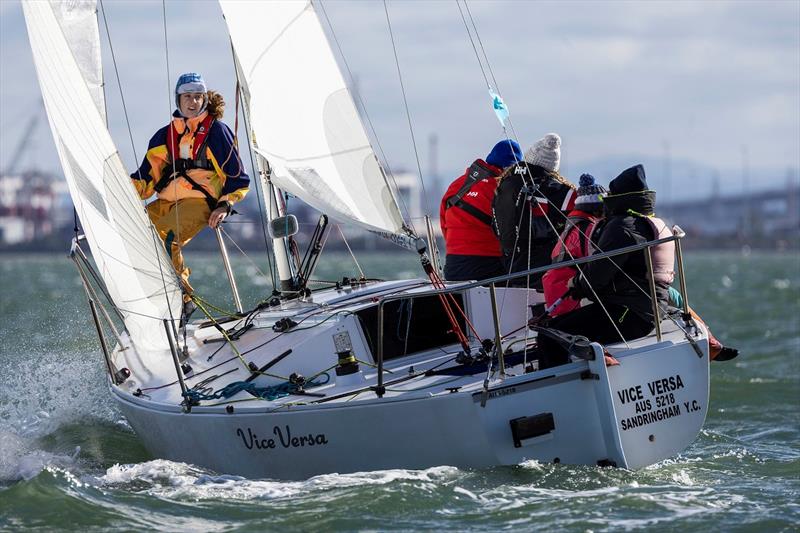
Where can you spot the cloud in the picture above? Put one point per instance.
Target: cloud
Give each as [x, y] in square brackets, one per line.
[611, 77]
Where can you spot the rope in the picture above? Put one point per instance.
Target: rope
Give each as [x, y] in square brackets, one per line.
[439, 284]
[214, 307]
[474, 48]
[119, 83]
[264, 393]
[480, 42]
[405, 105]
[488, 63]
[219, 328]
[527, 284]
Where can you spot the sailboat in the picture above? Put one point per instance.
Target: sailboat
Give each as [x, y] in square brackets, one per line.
[362, 376]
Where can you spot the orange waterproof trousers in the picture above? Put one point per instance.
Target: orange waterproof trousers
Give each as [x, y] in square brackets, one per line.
[177, 223]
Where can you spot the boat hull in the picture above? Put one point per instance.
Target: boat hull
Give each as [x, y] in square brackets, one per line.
[598, 416]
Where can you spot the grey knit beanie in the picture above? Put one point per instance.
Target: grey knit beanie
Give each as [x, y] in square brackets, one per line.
[546, 152]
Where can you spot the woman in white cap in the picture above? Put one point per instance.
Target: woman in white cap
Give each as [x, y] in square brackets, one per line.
[530, 209]
[193, 166]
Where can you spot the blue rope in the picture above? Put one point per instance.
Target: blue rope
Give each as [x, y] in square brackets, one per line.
[272, 392]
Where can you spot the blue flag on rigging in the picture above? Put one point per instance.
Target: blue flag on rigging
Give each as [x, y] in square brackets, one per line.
[500, 108]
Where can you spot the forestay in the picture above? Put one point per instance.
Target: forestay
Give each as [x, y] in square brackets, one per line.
[302, 115]
[128, 255]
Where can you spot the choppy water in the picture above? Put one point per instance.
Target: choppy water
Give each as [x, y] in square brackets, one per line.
[69, 461]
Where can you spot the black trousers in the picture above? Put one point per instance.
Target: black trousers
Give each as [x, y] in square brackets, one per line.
[471, 267]
[593, 323]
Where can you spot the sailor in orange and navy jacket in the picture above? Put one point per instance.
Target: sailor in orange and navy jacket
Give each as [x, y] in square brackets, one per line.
[465, 215]
[573, 243]
[194, 168]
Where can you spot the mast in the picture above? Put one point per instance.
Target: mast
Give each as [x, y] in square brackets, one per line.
[280, 245]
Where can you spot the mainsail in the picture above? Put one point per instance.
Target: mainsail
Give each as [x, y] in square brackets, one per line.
[129, 257]
[302, 115]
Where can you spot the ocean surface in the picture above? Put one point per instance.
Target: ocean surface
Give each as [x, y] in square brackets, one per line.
[69, 461]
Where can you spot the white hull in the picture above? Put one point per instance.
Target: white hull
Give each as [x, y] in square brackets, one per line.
[423, 423]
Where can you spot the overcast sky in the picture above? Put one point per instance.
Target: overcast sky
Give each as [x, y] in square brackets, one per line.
[621, 81]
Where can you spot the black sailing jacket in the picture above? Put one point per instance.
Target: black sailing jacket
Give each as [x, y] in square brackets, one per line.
[551, 202]
[620, 229]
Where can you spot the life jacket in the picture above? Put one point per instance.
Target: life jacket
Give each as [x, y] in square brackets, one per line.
[198, 160]
[554, 282]
[476, 172]
[550, 196]
[663, 254]
[198, 157]
[583, 226]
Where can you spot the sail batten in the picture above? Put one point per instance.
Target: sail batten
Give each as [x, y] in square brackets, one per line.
[129, 256]
[303, 117]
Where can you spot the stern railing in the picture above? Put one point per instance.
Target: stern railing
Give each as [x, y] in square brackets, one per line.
[677, 235]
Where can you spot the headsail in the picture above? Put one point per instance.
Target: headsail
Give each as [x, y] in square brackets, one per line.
[303, 117]
[78, 22]
[132, 262]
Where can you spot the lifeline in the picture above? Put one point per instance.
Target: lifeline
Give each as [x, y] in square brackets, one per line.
[649, 418]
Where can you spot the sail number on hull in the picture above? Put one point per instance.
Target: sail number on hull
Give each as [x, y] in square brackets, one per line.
[655, 401]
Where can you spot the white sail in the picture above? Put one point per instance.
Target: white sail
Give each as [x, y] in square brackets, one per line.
[129, 257]
[303, 117]
[78, 22]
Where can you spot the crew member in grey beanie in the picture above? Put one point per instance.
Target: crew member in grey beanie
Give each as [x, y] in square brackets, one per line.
[546, 152]
[530, 209]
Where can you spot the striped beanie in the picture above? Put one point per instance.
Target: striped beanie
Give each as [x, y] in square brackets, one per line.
[589, 194]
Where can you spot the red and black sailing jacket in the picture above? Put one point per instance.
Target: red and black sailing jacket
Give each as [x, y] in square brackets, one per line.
[573, 243]
[465, 213]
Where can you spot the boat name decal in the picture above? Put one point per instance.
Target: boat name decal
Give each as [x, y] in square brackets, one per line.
[283, 439]
[660, 404]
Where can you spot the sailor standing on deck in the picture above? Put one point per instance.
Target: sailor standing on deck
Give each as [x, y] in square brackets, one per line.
[194, 168]
[465, 215]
